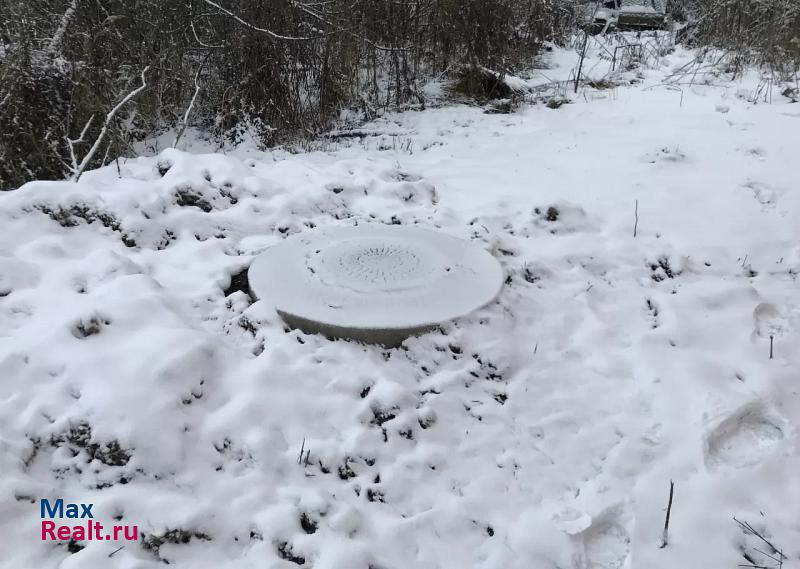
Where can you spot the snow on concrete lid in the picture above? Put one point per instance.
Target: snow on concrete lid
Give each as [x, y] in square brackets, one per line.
[371, 282]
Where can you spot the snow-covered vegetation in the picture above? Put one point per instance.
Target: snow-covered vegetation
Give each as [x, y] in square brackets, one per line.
[646, 332]
[628, 400]
[280, 70]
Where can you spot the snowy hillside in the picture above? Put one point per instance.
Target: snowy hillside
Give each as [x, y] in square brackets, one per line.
[543, 431]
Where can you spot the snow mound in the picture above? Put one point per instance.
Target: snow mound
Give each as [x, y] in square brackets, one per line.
[372, 282]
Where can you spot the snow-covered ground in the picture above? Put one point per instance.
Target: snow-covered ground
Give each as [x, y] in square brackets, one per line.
[541, 432]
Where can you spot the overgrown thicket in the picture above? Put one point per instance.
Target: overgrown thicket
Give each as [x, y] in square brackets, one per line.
[761, 32]
[280, 69]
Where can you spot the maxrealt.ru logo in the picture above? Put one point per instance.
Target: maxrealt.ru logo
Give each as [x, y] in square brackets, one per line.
[86, 530]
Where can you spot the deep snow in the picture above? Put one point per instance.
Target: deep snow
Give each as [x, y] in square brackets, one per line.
[540, 432]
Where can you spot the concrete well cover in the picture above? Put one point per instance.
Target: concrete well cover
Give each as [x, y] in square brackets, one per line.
[374, 283]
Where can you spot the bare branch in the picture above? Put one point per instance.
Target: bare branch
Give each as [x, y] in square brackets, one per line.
[305, 8]
[71, 144]
[109, 117]
[256, 28]
[55, 42]
[191, 24]
[190, 107]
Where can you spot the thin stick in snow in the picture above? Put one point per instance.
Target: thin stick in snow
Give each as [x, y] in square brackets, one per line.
[665, 535]
[636, 223]
[765, 554]
[78, 170]
[771, 339]
[748, 529]
[580, 64]
[585, 45]
[105, 156]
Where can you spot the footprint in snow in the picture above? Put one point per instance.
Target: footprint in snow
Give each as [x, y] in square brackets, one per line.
[744, 438]
[572, 521]
[607, 542]
[668, 154]
[770, 321]
[766, 195]
[755, 152]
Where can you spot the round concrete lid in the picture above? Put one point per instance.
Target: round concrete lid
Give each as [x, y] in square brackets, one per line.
[373, 277]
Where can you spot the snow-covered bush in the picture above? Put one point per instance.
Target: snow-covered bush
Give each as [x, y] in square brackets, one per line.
[33, 91]
[757, 31]
[284, 73]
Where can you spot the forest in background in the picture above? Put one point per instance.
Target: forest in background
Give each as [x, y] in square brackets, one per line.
[81, 81]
